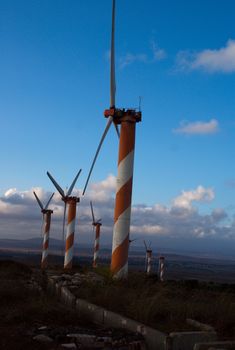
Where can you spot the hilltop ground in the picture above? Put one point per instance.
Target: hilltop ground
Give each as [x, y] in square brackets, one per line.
[162, 305]
[166, 306]
[23, 309]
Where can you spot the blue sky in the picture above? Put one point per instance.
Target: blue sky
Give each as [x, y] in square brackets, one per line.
[179, 56]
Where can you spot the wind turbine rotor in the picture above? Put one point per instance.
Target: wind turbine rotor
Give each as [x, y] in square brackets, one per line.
[73, 184]
[49, 201]
[56, 184]
[38, 200]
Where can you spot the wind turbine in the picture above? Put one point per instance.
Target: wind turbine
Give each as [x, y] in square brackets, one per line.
[96, 224]
[72, 204]
[148, 258]
[161, 268]
[127, 118]
[46, 216]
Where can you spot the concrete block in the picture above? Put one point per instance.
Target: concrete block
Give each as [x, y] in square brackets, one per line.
[67, 297]
[41, 338]
[154, 338]
[228, 345]
[187, 340]
[96, 313]
[69, 346]
[201, 326]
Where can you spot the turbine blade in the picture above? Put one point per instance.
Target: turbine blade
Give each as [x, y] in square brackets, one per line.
[145, 245]
[38, 200]
[56, 184]
[49, 201]
[73, 183]
[92, 212]
[64, 217]
[110, 120]
[112, 67]
[117, 130]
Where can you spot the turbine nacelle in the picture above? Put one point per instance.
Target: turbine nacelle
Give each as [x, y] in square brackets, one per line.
[119, 115]
[97, 223]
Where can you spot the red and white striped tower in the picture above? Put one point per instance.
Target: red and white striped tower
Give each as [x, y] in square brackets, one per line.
[71, 202]
[97, 242]
[69, 243]
[46, 216]
[127, 118]
[149, 261]
[47, 223]
[161, 268]
[122, 211]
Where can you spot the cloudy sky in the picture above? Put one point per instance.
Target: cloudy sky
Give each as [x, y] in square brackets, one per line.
[54, 68]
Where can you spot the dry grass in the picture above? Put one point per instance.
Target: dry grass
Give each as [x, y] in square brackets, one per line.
[166, 305]
[23, 309]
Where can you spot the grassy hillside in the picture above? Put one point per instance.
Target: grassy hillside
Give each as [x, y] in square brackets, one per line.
[166, 305]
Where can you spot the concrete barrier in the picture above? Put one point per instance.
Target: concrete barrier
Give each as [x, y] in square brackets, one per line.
[155, 339]
[187, 340]
[96, 313]
[215, 345]
[67, 297]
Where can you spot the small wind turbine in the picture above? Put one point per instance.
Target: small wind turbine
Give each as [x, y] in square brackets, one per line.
[72, 204]
[148, 258]
[46, 217]
[127, 118]
[161, 268]
[96, 224]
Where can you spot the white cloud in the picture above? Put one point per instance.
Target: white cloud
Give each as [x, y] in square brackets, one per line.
[130, 58]
[200, 194]
[148, 229]
[157, 54]
[198, 128]
[220, 60]
[21, 217]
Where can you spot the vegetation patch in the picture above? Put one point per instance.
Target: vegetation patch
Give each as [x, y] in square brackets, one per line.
[165, 306]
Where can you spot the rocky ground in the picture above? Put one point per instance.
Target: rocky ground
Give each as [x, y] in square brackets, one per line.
[30, 319]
